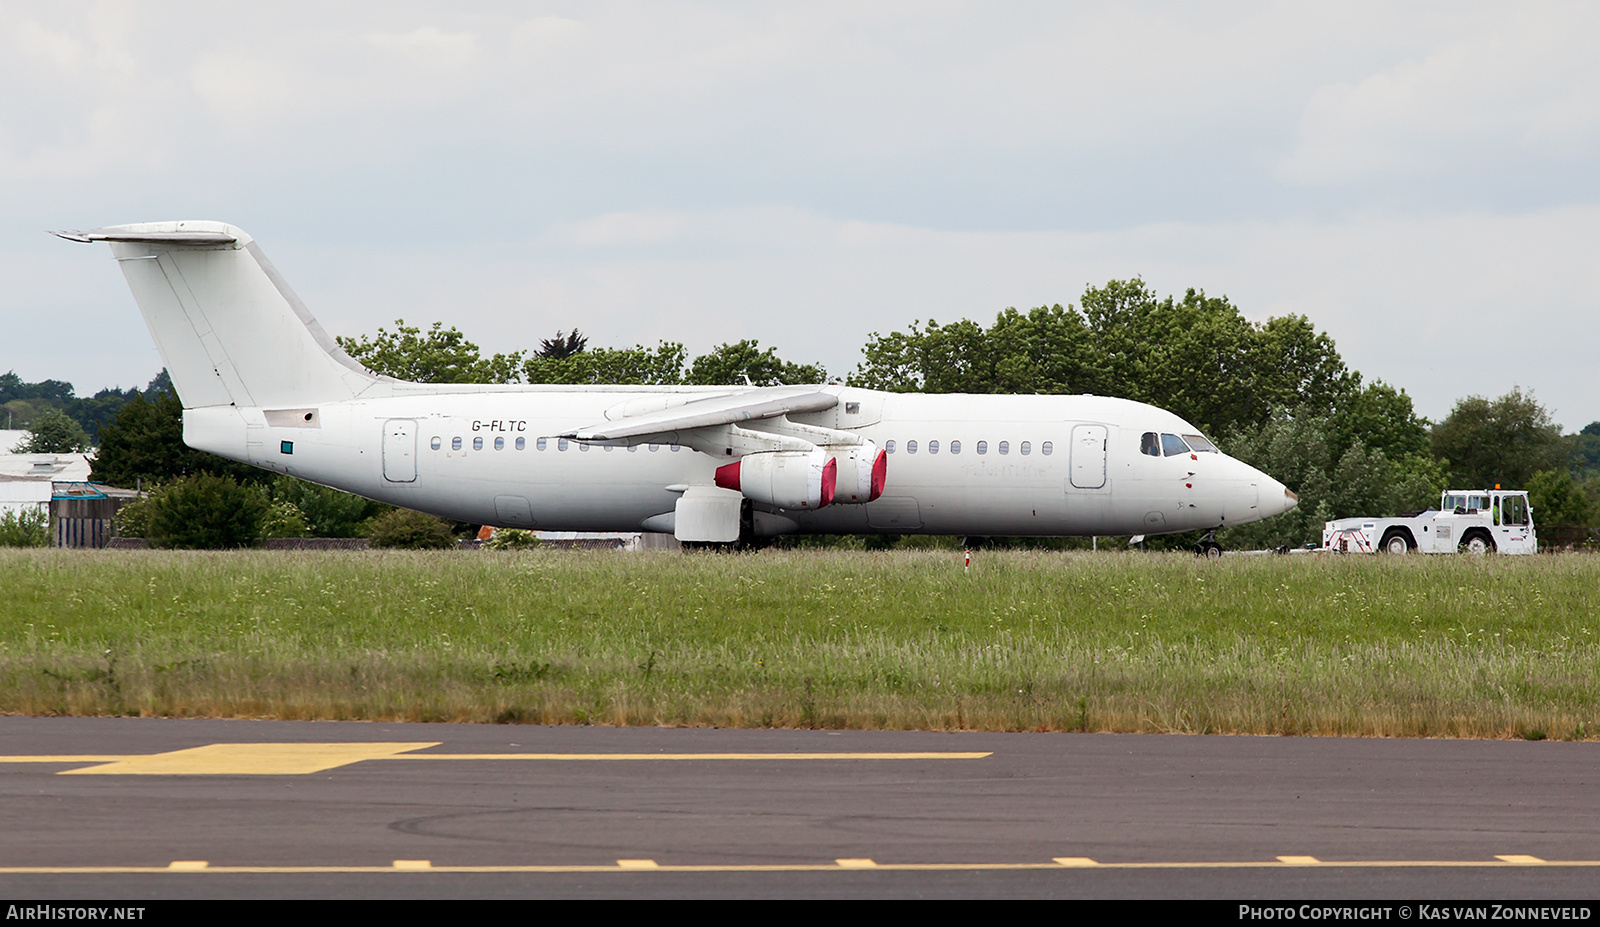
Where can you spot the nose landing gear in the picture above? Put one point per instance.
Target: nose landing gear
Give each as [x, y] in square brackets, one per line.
[1208, 546]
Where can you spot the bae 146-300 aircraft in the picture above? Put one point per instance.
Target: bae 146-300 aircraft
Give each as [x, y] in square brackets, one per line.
[261, 382]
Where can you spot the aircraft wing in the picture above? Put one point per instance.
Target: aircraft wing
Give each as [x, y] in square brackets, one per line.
[745, 406]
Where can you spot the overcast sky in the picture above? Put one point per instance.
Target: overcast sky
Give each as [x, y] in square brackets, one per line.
[1421, 180]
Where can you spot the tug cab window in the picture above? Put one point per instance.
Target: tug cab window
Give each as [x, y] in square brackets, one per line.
[1172, 445]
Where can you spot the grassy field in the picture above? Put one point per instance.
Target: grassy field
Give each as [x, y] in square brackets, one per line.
[1415, 646]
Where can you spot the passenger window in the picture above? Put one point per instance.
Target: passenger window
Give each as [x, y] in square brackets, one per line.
[435, 443]
[1026, 448]
[933, 447]
[561, 444]
[955, 447]
[499, 444]
[1172, 445]
[542, 443]
[655, 447]
[911, 447]
[455, 443]
[583, 447]
[674, 448]
[1005, 447]
[608, 448]
[1046, 448]
[889, 445]
[1150, 443]
[477, 444]
[983, 447]
[522, 444]
[633, 448]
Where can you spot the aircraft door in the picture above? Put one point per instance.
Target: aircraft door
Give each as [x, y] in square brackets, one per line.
[400, 450]
[1089, 456]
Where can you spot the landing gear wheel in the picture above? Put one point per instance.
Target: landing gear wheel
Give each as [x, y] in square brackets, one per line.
[1396, 544]
[1208, 546]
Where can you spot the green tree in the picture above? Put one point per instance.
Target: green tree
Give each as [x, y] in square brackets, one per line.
[326, 512]
[439, 355]
[145, 445]
[283, 520]
[1557, 499]
[638, 365]
[54, 433]
[1505, 441]
[207, 512]
[409, 530]
[732, 364]
[25, 527]
[1046, 350]
[564, 344]
[1197, 356]
[1585, 447]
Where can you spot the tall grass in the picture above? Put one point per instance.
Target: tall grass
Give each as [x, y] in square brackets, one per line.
[1417, 646]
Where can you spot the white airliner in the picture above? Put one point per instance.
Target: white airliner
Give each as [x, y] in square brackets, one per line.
[261, 382]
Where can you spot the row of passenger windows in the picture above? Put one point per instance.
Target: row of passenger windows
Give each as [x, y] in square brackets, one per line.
[982, 447]
[521, 444]
[1171, 445]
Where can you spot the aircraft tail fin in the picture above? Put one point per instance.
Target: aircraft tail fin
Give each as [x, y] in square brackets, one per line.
[228, 327]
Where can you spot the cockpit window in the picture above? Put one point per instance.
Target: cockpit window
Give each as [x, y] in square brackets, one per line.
[1172, 445]
[1150, 444]
[1197, 443]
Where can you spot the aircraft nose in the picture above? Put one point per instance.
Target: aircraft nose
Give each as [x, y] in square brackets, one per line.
[1276, 498]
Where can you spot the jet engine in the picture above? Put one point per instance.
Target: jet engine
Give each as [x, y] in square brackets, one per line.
[785, 479]
[862, 469]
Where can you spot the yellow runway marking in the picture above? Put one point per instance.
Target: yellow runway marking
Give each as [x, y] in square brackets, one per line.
[300, 759]
[1299, 860]
[589, 757]
[839, 865]
[247, 760]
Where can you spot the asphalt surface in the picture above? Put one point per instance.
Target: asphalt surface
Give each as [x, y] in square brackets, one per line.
[1046, 815]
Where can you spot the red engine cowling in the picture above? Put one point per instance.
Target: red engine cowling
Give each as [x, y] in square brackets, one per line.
[785, 479]
[862, 470]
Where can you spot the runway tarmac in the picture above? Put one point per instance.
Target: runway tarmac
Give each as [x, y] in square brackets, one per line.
[135, 808]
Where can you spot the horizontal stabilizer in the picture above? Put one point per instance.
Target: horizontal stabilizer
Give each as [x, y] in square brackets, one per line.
[173, 237]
